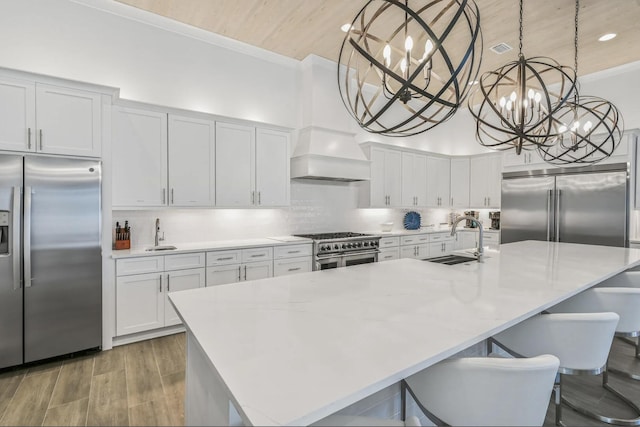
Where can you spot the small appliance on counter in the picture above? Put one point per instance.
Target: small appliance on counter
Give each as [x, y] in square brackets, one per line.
[471, 223]
[495, 220]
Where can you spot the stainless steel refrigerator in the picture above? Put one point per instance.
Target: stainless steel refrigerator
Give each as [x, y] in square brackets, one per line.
[576, 205]
[50, 257]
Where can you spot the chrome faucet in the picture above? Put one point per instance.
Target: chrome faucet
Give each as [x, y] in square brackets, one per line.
[158, 238]
[479, 253]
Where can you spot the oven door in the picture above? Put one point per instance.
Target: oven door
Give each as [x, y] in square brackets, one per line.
[326, 263]
[360, 258]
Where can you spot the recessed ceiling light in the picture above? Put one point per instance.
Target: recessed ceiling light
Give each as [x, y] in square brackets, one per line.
[606, 37]
[345, 27]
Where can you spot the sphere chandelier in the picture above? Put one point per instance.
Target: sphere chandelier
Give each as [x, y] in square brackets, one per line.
[401, 69]
[588, 128]
[514, 105]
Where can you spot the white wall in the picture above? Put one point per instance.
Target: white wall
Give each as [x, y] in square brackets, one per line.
[184, 68]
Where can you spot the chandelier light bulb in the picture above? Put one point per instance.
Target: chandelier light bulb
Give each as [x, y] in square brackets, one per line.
[408, 44]
[509, 105]
[428, 47]
[562, 128]
[538, 97]
[531, 94]
[587, 126]
[513, 96]
[403, 65]
[525, 103]
[503, 102]
[576, 126]
[386, 54]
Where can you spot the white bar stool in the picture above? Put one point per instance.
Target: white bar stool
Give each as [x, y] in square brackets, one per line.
[627, 279]
[626, 303]
[484, 391]
[580, 340]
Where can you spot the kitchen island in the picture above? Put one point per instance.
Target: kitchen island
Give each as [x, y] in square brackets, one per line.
[292, 350]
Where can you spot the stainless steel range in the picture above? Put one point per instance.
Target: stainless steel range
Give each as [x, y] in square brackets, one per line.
[333, 250]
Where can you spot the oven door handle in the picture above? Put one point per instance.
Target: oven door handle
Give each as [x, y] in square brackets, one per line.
[347, 254]
[361, 253]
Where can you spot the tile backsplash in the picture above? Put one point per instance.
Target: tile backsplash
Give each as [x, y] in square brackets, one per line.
[316, 206]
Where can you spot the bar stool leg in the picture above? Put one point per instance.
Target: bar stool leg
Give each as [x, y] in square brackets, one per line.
[403, 400]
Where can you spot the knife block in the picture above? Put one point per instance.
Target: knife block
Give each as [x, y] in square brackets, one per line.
[122, 244]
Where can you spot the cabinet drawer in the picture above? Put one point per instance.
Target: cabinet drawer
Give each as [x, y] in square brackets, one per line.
[150, 264]
[224, 257]
[387, 242]
[491, 237]
[389, 254]
[440, 237]
[293, 251]
[257, 254]
[415, 239]
[184, 261]
[282, 267]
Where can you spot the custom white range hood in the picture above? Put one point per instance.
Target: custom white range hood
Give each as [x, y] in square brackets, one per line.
[328, 154]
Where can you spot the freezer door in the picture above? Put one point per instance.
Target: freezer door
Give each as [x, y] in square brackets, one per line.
[63, 268]
[592, 209]
[526, 211]
[10, 261]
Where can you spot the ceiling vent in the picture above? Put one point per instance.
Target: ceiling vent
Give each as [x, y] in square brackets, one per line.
[501, 48]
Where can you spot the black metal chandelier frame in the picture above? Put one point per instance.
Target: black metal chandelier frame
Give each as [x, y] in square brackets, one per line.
[525, 120]
[598, 139]
[424, 109]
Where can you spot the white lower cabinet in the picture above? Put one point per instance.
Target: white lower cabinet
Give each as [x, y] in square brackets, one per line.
[292, 259]
[389, 248]
[142, 286]
[237, 265]
[414, 246]
[440, 244]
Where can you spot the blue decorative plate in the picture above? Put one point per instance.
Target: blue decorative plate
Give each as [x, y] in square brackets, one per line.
[412, 220]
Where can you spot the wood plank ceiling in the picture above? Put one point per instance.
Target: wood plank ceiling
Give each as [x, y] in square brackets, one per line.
[297, 28]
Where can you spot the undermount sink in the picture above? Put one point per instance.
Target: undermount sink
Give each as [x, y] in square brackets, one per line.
[161, 248]
[452, 259]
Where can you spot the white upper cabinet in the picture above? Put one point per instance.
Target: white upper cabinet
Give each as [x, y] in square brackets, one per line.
[459, 183]
[414, 179]
[18, 112]
[191, 161]
[50, 119]
[272, 168]
[252, 166]
[384, 189]
[139, 157]
[485, 181]
[438, 181]
[235, 165]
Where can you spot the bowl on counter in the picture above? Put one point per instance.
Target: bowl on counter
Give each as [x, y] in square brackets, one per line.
[386, 226]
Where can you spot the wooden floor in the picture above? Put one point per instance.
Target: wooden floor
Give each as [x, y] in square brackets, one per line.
[136, 384]
[142, 384]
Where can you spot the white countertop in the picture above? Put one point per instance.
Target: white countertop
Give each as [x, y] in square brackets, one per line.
[294, 349]
[429, 230]
[213, 245]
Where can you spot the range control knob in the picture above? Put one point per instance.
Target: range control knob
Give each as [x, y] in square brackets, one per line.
[366, 244]
[359, 244]
[336, 247]
[344, 246]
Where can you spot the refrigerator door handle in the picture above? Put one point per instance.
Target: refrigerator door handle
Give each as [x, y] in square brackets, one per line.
[557, 216]
[27, 237]
[549, 213]
[15, 237]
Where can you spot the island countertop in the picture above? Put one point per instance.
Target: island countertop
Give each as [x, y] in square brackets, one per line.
[294, 349]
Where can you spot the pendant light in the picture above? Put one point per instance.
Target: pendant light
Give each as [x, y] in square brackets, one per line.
[398, 71]
[514, 105]
[589, 128]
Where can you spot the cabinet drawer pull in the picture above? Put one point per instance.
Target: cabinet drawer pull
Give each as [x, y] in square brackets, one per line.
[227, 258]
[161, 283]
[168, 283]
[257, 256]
[245, 272]
[29, 138]
[239, 273]
[40, 139]
[294, 269]
[293, 252]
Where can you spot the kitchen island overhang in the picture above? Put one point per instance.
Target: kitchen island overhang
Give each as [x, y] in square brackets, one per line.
[294, 349]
